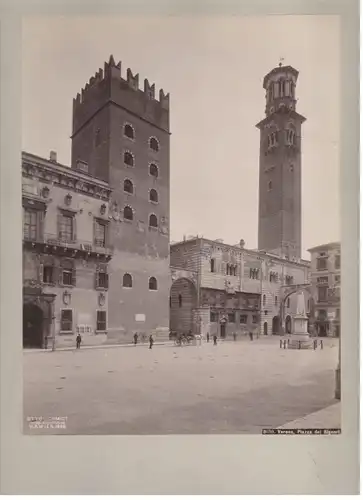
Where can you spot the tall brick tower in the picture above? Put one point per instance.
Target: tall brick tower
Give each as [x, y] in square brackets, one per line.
[279, 228]
[121, 135]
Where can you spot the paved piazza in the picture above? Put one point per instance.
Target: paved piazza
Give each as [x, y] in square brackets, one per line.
[235, 387]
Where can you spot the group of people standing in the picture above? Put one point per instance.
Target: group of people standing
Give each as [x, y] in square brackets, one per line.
[151, 339]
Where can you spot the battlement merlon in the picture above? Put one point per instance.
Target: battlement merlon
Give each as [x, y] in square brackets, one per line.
[112, 71]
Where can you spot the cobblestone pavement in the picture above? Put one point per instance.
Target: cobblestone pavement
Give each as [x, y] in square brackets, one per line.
[234, 387]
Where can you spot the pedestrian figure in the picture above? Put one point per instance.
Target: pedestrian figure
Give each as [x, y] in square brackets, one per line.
[321, 344]
[251, 336]
[45, 343]
[135, 338]
[214, 339]
[151, 342]
[208, 337]
[78, 341]
[234, 336]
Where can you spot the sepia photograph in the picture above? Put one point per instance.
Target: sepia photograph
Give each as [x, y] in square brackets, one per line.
[181, 234]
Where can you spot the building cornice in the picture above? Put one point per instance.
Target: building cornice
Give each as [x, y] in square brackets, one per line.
[59, 175]
[246, 251]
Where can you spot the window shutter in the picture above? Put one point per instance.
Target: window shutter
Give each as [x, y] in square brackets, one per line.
[60, 273]
[41, 270]
[59, 225]
[74, 227]
[94, 231]
[106, 280]
[97, 279]
[74, 277]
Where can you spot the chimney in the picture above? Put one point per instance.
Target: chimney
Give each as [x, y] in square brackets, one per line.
[53, 156]
[242, 243]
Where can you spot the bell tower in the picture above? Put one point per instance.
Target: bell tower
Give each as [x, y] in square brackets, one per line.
[279, 224]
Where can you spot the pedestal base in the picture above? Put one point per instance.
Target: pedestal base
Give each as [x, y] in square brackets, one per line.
[300, 342]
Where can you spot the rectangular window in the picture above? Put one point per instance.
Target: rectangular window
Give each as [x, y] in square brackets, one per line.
[66, 320]
[337, 262]
[212, 265]
[48, 274]
[67, 275]
[323, 279]
[101, 321]
[66, 228]
[322, 315]
[243, 319]
[322, 263]
[213, 317]
[322, 293]
[102, 280]
[231, 317]
[337, 278]
[30, 224]
[254, 318]
[100, 234]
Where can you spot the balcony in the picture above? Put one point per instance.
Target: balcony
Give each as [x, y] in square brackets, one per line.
[50, 243]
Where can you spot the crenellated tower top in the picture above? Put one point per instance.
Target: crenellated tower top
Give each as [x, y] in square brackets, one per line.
[107, 85]
[280, 85]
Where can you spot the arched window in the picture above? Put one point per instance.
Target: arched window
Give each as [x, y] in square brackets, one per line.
[153, 196]
[128, 186]
[68, 272]
[153, 221]
[129, 131]
[128, 213]
[153, 284]
[212, 265]
[275, 300]
[281, 88]
[127, 281]
[153, 169]
[228, 269]
[264, 300]
[180, 298]
[129, 159]
[154, 144]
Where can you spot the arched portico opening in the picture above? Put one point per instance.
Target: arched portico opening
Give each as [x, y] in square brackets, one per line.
[32, 326]
[265, 328]
[275, 325]
[183, 301]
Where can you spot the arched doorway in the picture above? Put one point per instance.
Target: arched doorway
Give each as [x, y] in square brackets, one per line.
[288, 326]
[32, 326]
[183, 300]
[265, 327]
[275, 325]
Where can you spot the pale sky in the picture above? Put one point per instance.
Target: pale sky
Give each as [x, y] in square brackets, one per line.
[213, 69]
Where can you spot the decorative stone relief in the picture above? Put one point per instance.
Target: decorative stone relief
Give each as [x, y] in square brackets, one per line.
[101, 299]
[66, 298]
